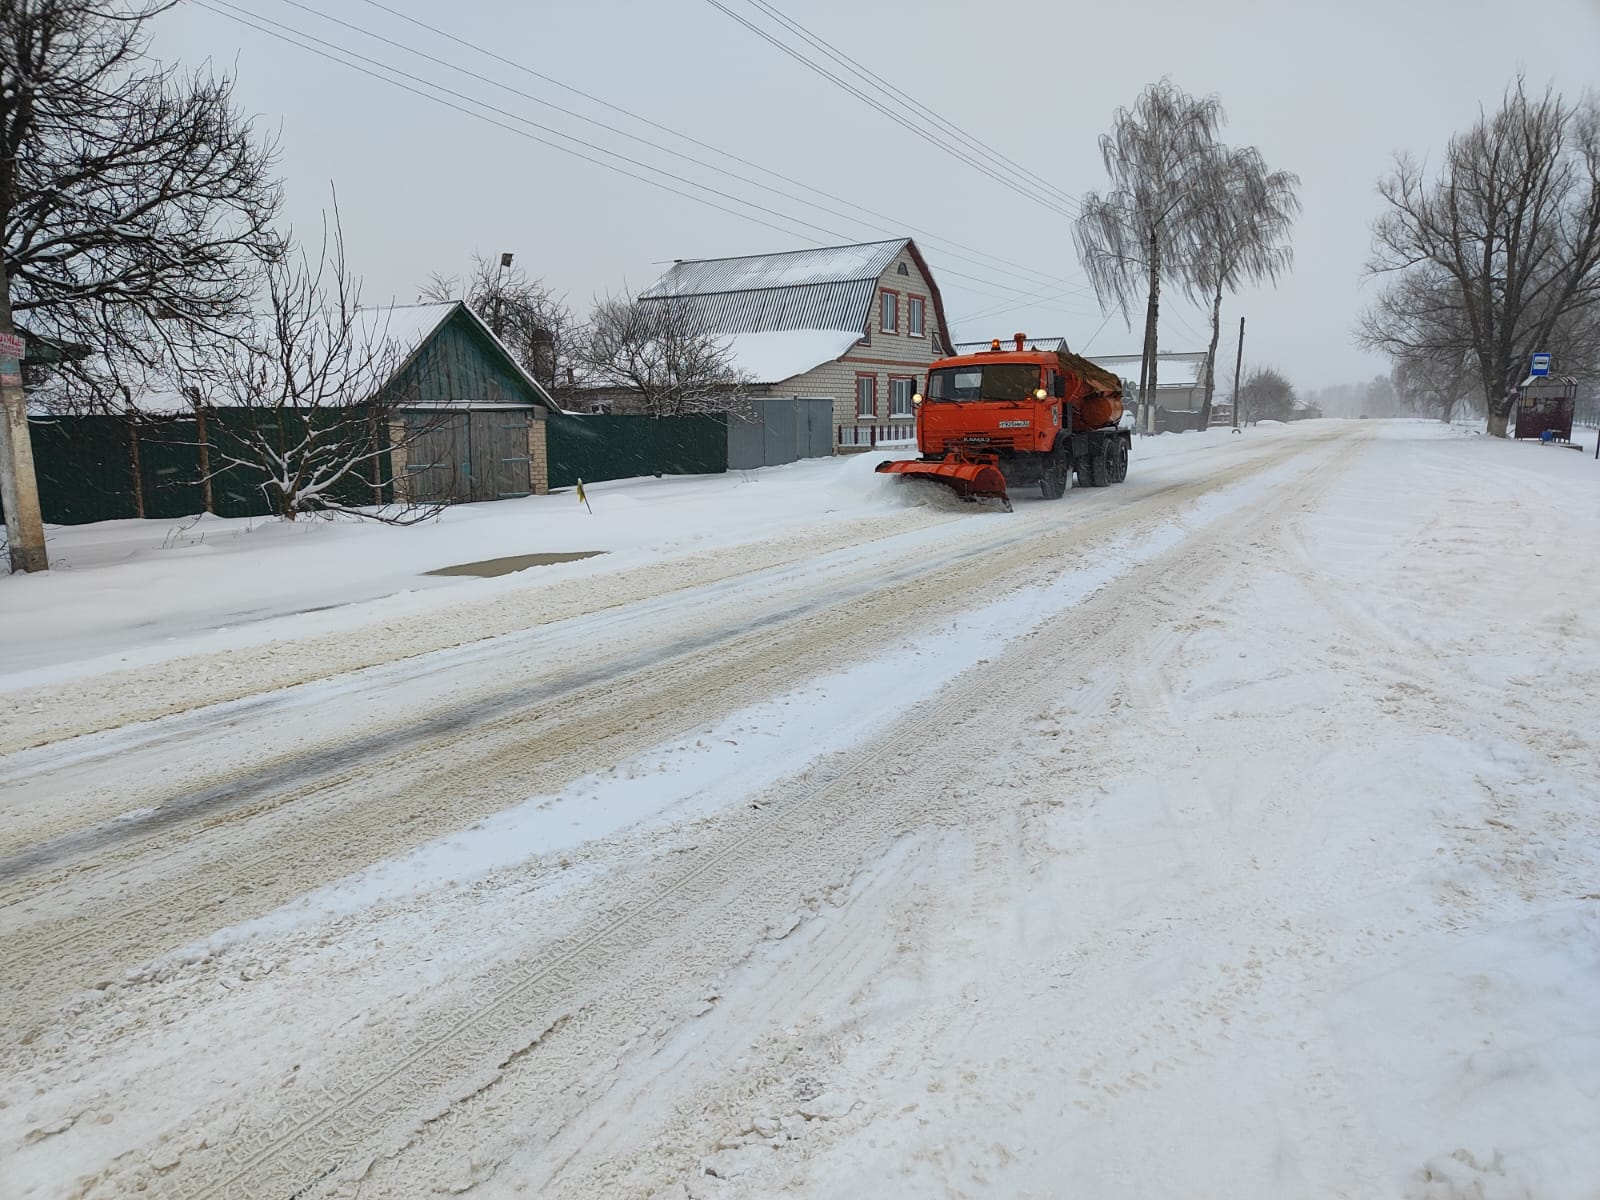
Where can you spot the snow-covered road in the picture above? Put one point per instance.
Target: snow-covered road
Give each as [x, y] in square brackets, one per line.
[1233, 831]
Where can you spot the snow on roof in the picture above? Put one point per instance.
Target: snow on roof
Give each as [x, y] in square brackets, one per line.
[1175, 369]
[792, 268]
[383, 336]
[772, 357]
[398, 329]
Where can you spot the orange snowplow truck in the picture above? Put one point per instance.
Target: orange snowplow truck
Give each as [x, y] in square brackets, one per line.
[1014, 417]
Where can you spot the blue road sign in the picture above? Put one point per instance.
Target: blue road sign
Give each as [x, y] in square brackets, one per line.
[1540, 365]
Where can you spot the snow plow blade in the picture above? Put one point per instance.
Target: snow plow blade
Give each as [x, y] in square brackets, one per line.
[972, 477]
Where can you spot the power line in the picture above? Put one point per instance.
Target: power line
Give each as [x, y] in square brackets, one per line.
[416, 91]
[529, 71]
[1030, 276]
[292, 37]
[976, 145]
[954, 152]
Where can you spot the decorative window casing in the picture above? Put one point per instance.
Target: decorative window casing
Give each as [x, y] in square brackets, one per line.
[889, 311]
[901, 389]
[866, 397]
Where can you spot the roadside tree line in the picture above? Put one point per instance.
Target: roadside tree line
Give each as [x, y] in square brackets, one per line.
[1488, 254]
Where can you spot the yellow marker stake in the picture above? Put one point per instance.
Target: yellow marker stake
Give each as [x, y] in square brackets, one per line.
[582, 499]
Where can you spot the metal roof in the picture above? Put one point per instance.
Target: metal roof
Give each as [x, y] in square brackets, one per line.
[831, 287]
[1175, 369]
[792, 268]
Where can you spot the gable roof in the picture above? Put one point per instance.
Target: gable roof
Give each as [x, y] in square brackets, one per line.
[401, 331]
[820, 288]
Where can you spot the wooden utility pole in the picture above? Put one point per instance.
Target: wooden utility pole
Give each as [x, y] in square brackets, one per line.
[1238, 363]
[19, 489]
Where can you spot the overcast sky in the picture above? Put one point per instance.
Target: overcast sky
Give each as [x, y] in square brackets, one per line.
[1329, 91]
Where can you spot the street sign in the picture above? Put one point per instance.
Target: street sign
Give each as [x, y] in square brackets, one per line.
[11, 345]
[1540, 365]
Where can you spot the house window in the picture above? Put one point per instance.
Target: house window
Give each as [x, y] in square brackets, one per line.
[901, 389]
[901, 270]
[866, 397]
[914, 316]
[891, 312]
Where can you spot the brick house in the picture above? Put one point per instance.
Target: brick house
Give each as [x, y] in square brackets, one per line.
[855, 324]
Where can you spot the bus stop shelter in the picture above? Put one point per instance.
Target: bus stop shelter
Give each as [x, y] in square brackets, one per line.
[1544, 405]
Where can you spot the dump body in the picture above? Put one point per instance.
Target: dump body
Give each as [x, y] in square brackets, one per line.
[1018, 415]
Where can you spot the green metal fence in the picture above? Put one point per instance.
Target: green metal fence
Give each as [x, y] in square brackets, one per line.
[86, 468]
[594, 448]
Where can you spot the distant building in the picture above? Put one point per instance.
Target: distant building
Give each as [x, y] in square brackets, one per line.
[855, 324]
[1180, 377]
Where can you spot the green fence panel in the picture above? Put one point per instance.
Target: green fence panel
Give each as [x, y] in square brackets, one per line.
[84, 469]
[84, 465]
[599, 447]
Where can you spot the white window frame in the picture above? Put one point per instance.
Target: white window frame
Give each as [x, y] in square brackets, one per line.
[869, 413]
[888, 298]
[916, 317]
[897, 384]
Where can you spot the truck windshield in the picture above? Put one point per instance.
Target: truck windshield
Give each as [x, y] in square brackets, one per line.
[991, 381]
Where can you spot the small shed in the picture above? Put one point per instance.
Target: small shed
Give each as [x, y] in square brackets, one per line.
[1545, 404]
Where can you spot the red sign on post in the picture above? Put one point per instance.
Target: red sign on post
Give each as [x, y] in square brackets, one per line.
[11, 346]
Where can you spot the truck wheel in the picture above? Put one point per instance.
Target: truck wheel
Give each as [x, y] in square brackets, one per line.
[1054, 475]
[1119, 460]
[1099, 464]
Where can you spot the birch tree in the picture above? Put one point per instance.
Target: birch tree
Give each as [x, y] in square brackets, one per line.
[1496, 252]
[1142, 230]
[1241, 224]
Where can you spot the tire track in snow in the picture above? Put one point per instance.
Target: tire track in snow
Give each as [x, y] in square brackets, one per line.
[688, 918]
[377, 810]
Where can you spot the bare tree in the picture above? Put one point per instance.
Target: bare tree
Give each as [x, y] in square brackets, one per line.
[134, 200]
[311, 404]
[659, 351]
[535, 324]
[1242, 222]
[1142, 231]
[1497, 251]
[1437, 386]
[1266, 395]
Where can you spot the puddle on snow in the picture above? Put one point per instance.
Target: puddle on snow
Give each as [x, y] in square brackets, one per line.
[491, 567]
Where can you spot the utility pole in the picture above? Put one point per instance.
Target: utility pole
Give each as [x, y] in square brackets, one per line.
[1238, 363]
[19, 489]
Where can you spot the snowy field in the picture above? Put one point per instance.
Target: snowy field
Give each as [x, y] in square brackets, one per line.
[1231, 832]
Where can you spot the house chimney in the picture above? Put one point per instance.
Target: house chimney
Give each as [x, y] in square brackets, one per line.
[544, 357]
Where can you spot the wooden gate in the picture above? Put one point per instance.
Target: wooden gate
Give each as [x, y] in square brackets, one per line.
[466, 457]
